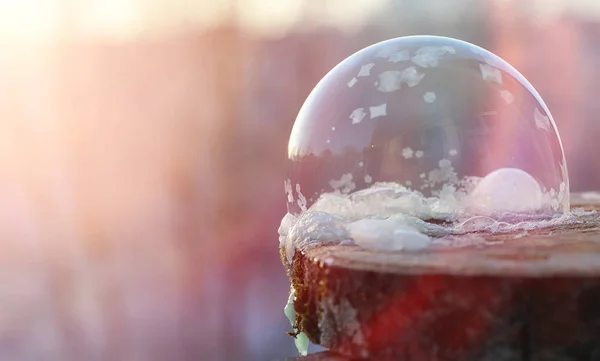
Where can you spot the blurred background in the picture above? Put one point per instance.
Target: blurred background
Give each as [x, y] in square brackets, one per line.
[142, 148]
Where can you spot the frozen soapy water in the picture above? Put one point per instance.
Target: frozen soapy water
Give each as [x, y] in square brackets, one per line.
[387, 234]
[311, 227]
[392, 217]
[591, 196]
[428, 113]
[428, 129]
[508, 190]
[422, 141]
[301, 340]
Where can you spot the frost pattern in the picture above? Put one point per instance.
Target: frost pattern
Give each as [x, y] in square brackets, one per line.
[378, 111]
[429, 97]
[429, 56]
[365, 70]
[392, 80]
[288, 190]
[401, 55]
[541, 121]
[444, 174]
[389, 216]
[507, 96]
[358, 115]
[489, 73]
[301, 199]
[344, 185]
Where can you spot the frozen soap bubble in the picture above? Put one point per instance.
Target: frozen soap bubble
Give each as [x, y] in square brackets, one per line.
[427, 126]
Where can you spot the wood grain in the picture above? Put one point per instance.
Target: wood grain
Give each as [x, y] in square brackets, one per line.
[534, 296]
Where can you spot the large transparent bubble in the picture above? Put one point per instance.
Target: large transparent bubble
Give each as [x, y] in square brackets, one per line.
[428, 126]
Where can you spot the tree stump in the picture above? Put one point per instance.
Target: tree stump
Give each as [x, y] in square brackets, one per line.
[533, 296]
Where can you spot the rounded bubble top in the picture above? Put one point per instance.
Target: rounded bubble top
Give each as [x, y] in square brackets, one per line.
[432, 116]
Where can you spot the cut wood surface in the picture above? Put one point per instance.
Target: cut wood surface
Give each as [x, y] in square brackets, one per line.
[320, 356]
[528, 296]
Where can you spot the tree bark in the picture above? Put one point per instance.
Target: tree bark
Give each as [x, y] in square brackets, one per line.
[531, 297]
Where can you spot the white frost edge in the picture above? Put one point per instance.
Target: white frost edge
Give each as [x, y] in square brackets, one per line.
[301, 341]
[389, 216]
